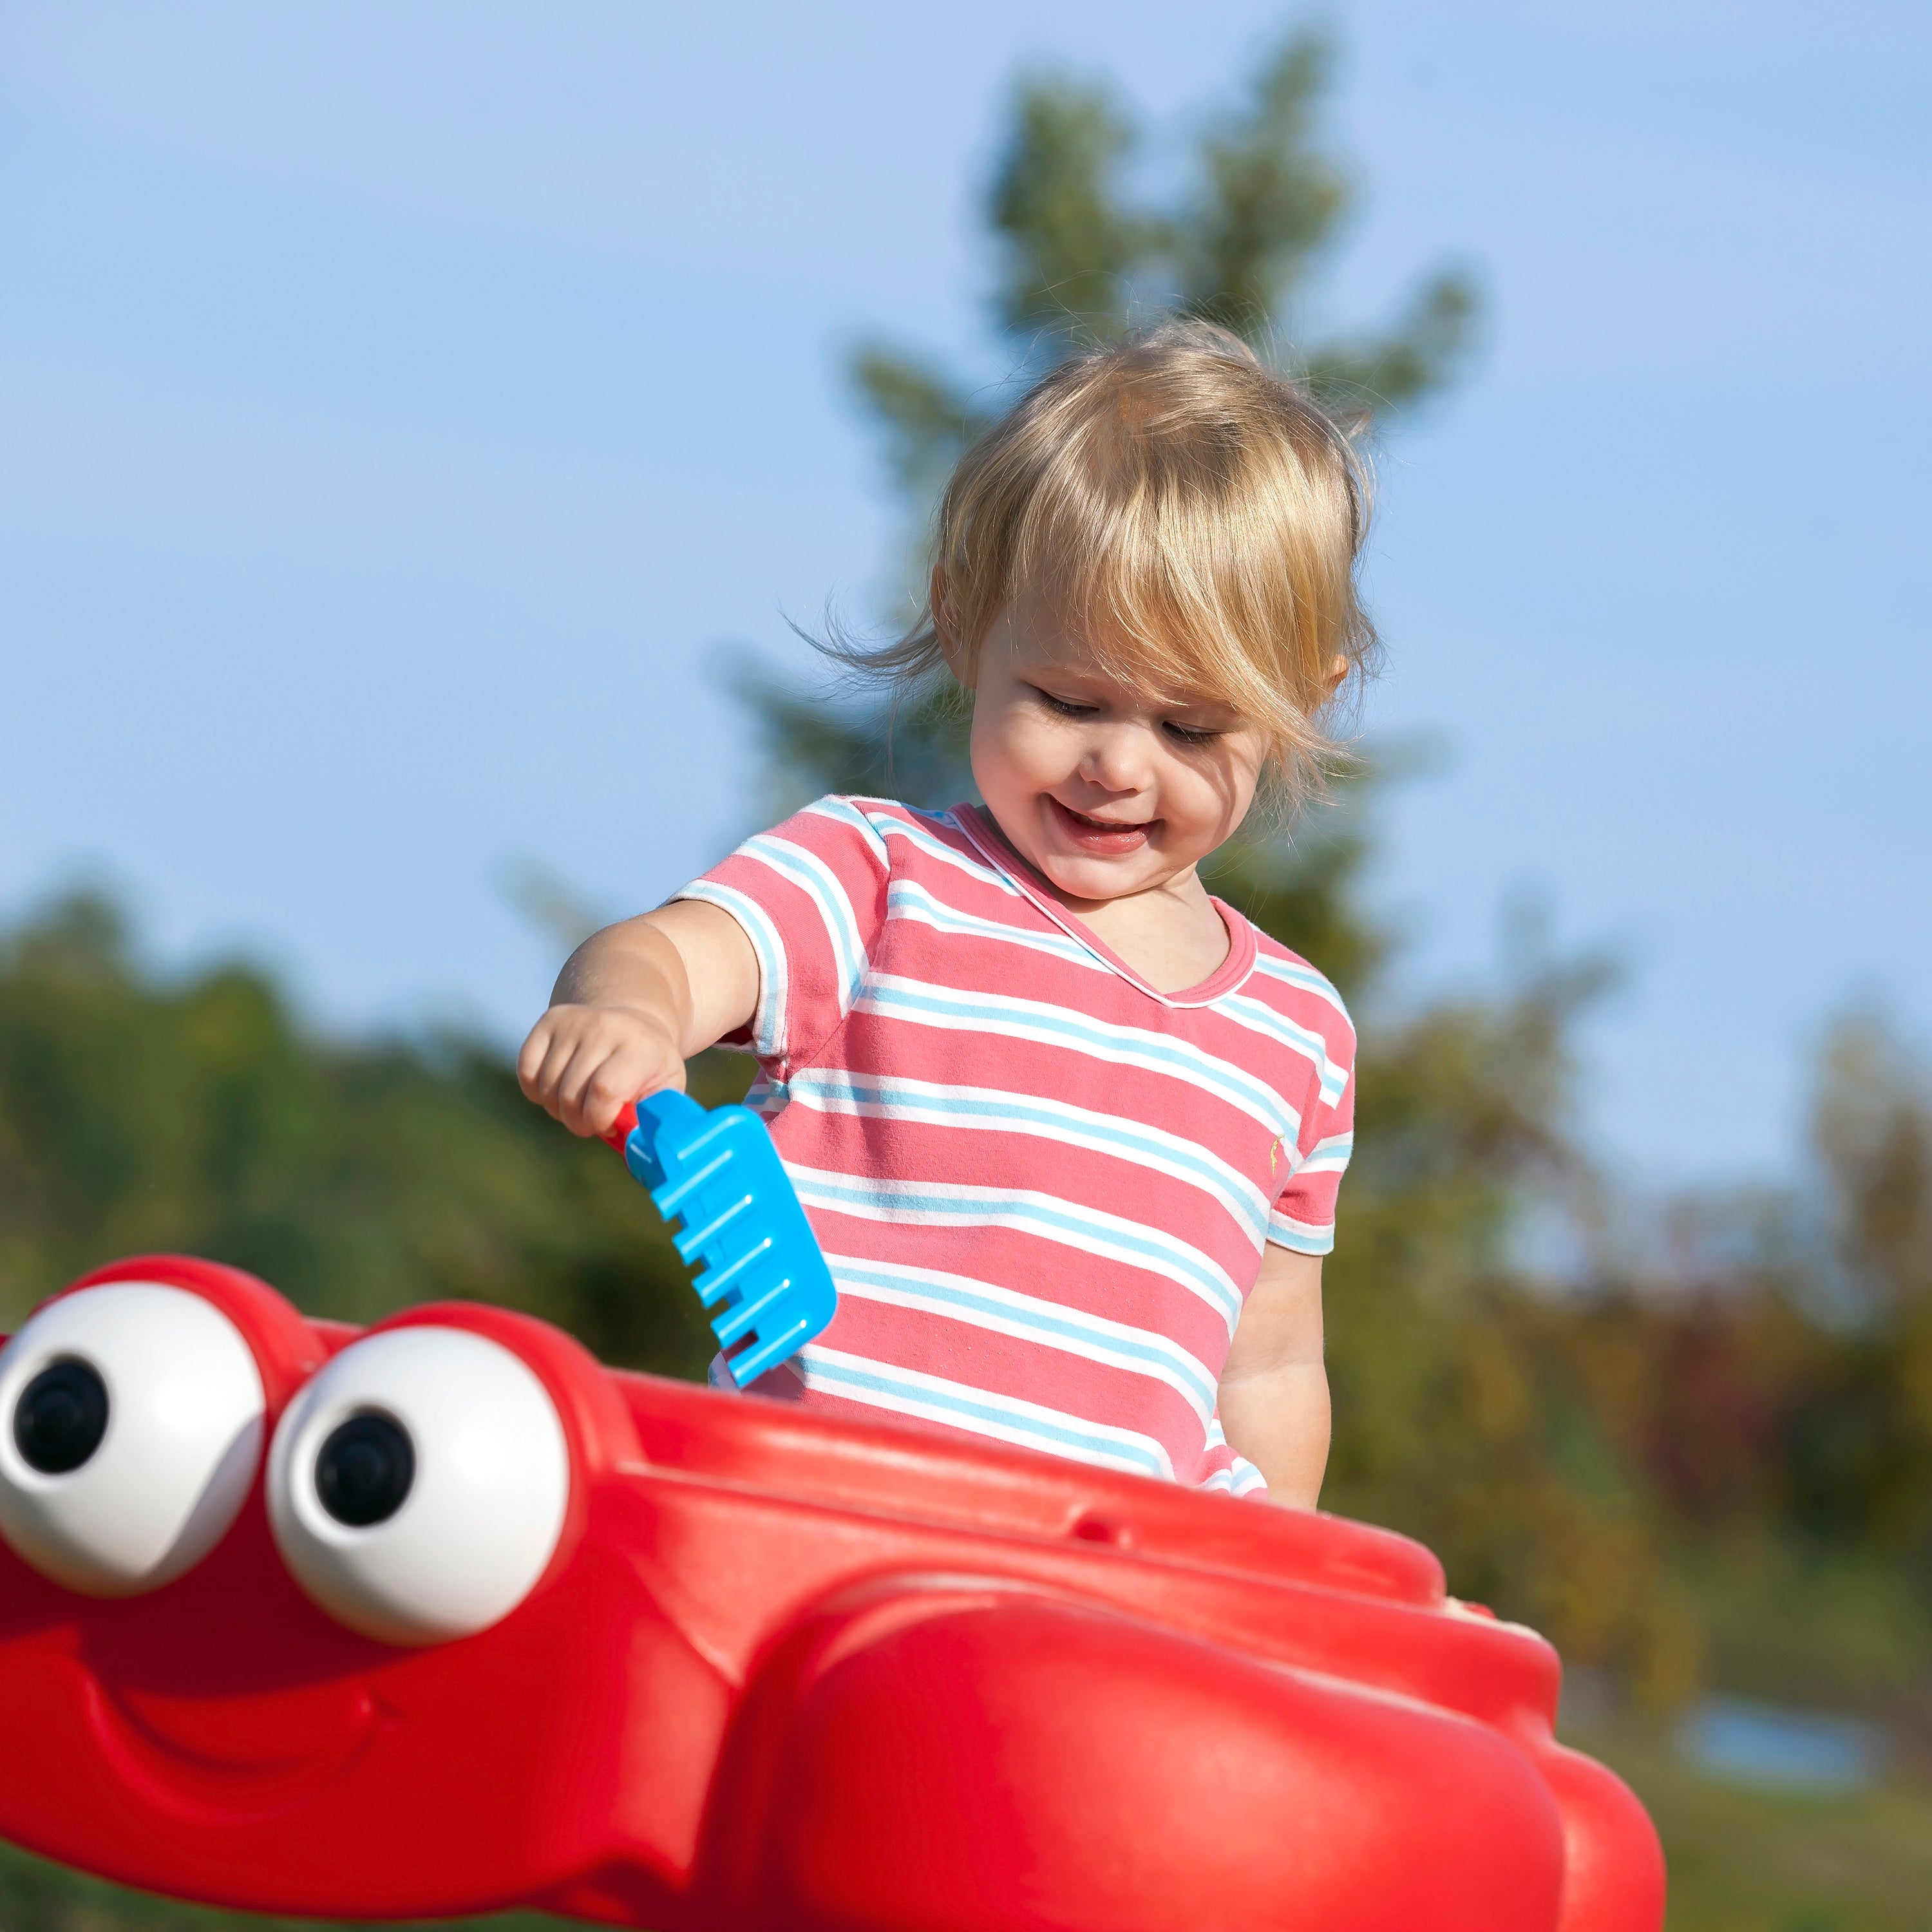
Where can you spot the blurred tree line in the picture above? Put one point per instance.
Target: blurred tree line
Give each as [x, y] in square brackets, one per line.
[1713, 1458]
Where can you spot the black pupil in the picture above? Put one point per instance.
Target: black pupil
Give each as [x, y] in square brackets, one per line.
[60, 1418]
[365, 1470]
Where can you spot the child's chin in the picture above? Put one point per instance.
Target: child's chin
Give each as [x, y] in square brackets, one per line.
[1083, 876]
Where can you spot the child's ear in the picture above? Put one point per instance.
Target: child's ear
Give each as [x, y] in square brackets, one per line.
[958, 660]
[1338, 669]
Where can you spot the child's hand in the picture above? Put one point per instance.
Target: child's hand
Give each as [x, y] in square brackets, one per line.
[581, 1064]
[632, 1002]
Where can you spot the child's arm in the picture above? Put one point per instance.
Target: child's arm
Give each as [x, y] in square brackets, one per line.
[634, 1002]
[1274, 1389]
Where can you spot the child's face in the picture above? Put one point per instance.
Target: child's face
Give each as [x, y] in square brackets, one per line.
[1106, 789]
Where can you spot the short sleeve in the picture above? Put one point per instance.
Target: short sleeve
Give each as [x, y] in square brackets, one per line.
[1303, 1219]
[810, 896]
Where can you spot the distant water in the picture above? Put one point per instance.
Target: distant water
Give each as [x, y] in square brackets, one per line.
[1767, 1743]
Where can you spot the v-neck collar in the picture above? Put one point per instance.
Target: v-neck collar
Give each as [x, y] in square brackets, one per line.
[974, 822]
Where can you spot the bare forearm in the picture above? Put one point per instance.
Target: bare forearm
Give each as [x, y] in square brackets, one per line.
[1274, 1389]
[632, 965]
[1279, 1419]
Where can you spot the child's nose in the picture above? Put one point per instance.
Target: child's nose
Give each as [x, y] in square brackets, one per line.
[1117, 759]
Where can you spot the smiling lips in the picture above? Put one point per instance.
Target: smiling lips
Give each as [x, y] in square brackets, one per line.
[1101, 837]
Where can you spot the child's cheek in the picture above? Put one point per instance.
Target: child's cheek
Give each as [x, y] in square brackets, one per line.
[1196, 806]
[1018, 752]
[998, 772]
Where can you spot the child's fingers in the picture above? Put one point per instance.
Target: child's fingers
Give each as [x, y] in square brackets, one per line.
[582, 1066]
[531, 1057]
[621, 1078]
[559, 1048]
[588, 1054]
[603, 1078]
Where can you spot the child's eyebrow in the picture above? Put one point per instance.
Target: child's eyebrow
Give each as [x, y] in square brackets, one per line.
[1197, 702]
[1071, 674]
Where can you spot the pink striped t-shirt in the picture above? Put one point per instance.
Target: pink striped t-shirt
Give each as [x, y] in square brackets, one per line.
[1043, 1185]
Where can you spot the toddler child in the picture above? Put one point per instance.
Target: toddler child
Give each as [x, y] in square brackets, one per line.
[1068, 1129]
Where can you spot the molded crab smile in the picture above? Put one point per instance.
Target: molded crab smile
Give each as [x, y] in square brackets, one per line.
[255, 1753]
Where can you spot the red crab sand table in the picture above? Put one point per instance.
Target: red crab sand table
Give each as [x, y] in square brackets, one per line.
[761, 1669]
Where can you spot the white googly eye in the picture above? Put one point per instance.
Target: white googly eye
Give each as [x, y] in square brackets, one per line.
[417, 1486]
[130, 1426]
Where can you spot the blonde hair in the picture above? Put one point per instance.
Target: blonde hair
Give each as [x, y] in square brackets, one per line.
[1198, 516]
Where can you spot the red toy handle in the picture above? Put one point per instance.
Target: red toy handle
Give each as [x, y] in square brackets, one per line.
[620, 1129]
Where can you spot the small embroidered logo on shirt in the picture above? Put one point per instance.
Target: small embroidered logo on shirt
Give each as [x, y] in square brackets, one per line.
[1274, 1150]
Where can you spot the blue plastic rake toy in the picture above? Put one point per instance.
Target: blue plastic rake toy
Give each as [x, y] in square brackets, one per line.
[717, 1178]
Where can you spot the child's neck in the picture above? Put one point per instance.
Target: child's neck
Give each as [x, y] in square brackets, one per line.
[1172, 935]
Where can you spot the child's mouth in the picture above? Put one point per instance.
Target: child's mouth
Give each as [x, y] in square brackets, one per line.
[1104, 838]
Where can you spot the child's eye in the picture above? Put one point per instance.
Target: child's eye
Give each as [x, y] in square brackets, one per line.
[1191, 734]
[1064, 707]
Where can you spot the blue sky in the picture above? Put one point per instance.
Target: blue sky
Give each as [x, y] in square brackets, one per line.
[403, 410]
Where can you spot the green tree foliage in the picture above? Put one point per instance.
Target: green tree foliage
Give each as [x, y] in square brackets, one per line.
[1081, 259]
[139, 1115]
